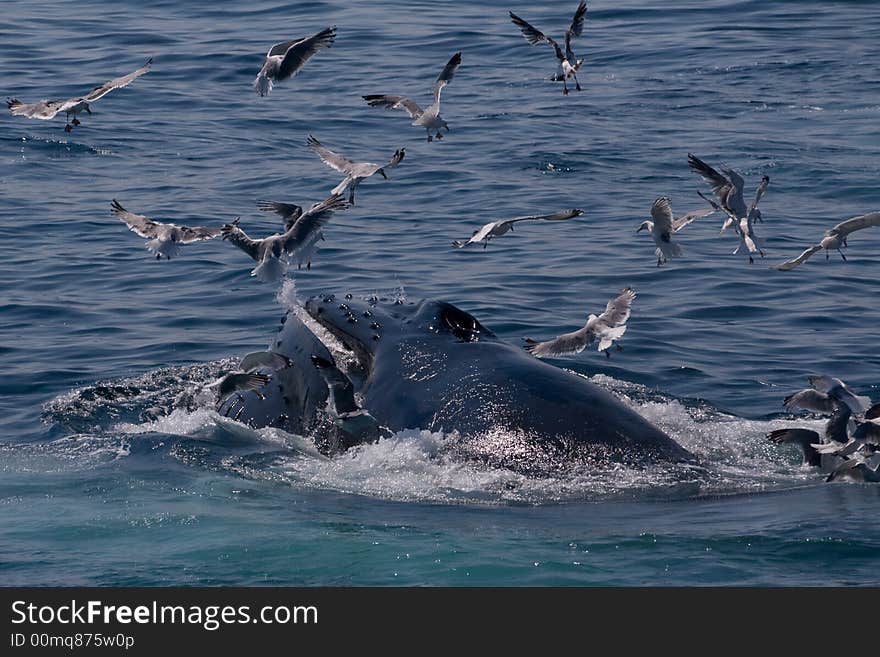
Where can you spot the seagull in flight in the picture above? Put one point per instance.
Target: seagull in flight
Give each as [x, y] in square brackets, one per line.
[664, 225]
[164, 239]
[498, 228]
[427, 118]
[728, 188]
[287, 58]
[569, 64]
[354, 172]
[606, 328]
[834, 239]
[47, 109]
[296, 244]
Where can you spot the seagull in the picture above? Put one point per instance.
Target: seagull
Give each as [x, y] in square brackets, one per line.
[354, 172]
[607, 327]
[286, 59]
[860, 468]
[355, 424]
[47, 109]
[664, 225]
[498, 228]
[258, 360]
[235, 381]
[296, 244]
[569, 64]
[834, 239]
[289, 212]
[165, 239]
[728, 188]
[427, 118]
[838, 390]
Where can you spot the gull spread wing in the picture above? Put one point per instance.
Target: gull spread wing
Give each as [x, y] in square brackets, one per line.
[301, 51]
[395, 102]
[240, 239]
[117, 83]
[311, 221]
[137, 223]
[563, 345]
[330, 158]
[791, 264]
[198, 233]
[661, 212]
[562, 215]
[721, 186]
[856, 223]
[446, 75]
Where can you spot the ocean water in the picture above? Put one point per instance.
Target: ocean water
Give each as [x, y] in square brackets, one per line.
[107, 478]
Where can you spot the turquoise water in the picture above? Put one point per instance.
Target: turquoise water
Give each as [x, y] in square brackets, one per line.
[107, 478]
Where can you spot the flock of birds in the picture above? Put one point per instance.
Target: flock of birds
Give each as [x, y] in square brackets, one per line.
[851, 436]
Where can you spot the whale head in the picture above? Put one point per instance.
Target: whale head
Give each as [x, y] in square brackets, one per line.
[365, 325]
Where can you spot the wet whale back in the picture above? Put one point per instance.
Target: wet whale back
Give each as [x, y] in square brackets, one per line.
[488, 388]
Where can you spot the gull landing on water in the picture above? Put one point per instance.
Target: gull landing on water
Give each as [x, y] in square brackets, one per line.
[607, 327]
[834, 239]
[285, 59]
[165, 239]
[354, 172]
[427, 118]
[569, 64]
[47, 109]
[664, 225]
[498, 228]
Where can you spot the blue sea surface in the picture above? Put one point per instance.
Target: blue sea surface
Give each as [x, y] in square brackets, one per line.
[105, 479]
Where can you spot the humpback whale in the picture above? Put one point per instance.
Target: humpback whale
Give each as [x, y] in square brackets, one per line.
[432, 366]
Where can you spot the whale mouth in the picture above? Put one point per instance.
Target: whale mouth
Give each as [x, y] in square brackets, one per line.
[337, 318]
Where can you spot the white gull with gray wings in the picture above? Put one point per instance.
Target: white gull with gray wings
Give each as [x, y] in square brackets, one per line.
[428, 118]
[499, 228]
[164, 239]
[354, 172]
[606, 328]
[285, 59]
[834, 239]
[47, 109]
[569, 64]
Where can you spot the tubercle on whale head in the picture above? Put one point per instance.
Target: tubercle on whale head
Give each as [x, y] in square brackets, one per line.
[359, 324]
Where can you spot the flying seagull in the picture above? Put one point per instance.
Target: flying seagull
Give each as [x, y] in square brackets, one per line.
[164, 239]
[354, 172]
[235, 381]
[607, 327]
[664, 225]
[728, 188]
[297, 243]
[834, 239]
[569, 64]
[257, 360]
[47, 109]
[498, 228]
[427, 118]
[286, 59]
